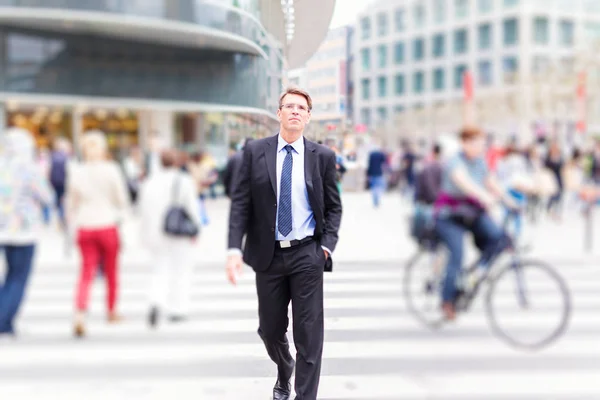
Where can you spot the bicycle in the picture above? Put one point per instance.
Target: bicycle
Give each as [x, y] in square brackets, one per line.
[475, 277]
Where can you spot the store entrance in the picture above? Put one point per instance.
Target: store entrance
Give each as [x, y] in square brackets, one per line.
[121, 128]
[47, 123]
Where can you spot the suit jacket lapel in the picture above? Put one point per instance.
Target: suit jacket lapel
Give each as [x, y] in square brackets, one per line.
[310, 161]
[271, 160]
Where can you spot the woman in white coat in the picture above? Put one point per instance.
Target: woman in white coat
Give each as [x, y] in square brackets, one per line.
[172, 257]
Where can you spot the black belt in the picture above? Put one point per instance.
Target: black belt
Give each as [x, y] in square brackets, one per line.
[286, 244]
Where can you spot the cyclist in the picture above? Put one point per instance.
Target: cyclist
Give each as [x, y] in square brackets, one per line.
[468, 191]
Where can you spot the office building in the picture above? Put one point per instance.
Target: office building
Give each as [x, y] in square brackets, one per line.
[412, 55]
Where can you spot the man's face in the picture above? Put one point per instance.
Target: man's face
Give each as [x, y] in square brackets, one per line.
[293, 113]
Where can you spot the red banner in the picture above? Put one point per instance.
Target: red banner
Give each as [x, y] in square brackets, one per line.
[469, 93]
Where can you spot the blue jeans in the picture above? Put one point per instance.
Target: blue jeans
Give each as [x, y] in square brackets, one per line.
[488, 238]
[377, 184]
[19, 260]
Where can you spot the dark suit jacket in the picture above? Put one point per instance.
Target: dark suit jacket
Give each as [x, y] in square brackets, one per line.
[377, 161]
[254, 201]
[231, 172]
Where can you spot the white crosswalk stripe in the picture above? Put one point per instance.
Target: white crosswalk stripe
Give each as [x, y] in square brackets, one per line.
[374, 349]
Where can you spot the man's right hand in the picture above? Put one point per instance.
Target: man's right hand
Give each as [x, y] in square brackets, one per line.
[234, 267]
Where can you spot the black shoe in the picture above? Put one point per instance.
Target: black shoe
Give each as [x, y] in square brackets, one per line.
[282, 390]
[153, 317]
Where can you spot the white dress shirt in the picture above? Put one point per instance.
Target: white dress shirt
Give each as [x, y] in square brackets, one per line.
[303, 219]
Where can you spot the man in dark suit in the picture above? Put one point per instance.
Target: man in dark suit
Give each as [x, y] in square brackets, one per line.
[287, 204]
[232, 169]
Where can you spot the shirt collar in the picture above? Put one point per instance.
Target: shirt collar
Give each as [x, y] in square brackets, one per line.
[298, 145]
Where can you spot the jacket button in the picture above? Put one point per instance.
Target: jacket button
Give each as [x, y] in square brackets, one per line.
[272, 229]
[275, 205]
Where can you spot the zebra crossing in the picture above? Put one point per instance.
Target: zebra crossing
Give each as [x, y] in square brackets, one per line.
[374, 349]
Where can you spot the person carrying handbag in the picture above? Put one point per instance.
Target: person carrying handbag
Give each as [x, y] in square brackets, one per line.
[169, 229]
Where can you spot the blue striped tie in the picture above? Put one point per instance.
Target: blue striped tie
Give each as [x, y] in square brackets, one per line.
[285, 194]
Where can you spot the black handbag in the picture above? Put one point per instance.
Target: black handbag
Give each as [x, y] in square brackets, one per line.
[178, 222]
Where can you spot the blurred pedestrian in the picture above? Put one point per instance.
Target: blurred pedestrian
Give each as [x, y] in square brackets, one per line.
[574, 179]
[134, 168]
[376, 174]
[59, 160]
[96, 198]
[172, 257]
[555, 163]
[427, 187]
[408, 167]
[24, 191]
[204, 176]
[513, 176]
[232, 169]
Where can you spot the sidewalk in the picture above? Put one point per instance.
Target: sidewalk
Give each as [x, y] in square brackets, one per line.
[366, 235]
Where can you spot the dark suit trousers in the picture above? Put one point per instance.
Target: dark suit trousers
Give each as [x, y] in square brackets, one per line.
[295, 274]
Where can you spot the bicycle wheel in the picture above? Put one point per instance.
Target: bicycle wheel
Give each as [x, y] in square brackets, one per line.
[528, 304]
[423, 277]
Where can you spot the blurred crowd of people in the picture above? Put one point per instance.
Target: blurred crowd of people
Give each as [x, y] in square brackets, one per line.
[88, 195]
[564, 176]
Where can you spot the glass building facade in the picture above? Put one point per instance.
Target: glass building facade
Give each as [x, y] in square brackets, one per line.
[57, 79]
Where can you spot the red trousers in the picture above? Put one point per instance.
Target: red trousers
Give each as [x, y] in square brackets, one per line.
[97, 246]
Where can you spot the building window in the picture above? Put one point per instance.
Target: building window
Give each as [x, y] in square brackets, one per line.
[419, 13]
[541, 31]
[461, 7]
[566, 33]
[439, 77]
[365, 55]
[418, 49]
[399, 20]
[382, 86]
[461, 44]
[365, 116]
[459, 75]
[510, 66]
[439, 11]
[365, 27]
[511, 32]
[485, 36]
[485, 73]
[399, 53]
[419, 82]
[439, 45]
[382, 24]
[399, 84]
[366, 89]
[485, 6]
[382, 56]
[510, 3]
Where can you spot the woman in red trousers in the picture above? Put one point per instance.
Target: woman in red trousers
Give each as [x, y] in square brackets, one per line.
[96, 201]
